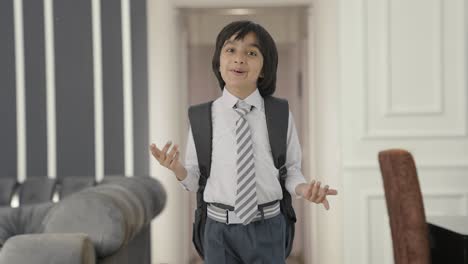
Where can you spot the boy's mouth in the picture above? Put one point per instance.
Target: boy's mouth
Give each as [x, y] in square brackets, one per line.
[238, 71]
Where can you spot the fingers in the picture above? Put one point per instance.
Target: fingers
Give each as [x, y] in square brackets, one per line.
[314, 193]
[165, 158]
[308, 193]
[173, 162]
[155, 151]
[170, 156]
[322, 194]
[164, 150]
[326, 204]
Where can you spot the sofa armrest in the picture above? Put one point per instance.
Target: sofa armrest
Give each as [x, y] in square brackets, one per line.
[48, 249]
[111, 214]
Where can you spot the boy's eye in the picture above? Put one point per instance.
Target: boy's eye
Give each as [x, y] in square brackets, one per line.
[229, 50]
[252, 53]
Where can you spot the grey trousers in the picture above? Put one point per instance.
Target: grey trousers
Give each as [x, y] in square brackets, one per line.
[260, 242]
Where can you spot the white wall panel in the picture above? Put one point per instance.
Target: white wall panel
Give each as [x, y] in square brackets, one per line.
[403, 85]
[412, 86]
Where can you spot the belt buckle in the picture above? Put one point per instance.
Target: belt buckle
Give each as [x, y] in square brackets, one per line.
[232, 218]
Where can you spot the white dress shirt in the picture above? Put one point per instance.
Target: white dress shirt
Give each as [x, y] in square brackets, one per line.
[222, 183]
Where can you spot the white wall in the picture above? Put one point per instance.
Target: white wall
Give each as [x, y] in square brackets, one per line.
[167, 117]
[403, 84]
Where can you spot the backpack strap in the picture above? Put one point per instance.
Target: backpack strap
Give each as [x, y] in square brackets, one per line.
[277, 119]
[202, 131]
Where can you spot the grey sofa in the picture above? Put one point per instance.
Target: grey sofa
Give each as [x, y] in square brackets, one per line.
[104, 223]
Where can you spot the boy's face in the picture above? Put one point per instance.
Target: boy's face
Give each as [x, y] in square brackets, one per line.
[241, 62]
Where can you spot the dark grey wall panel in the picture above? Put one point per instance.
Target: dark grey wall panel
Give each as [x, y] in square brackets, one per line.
[74, 87]
[8, 159]
[140, 87]
[112, 87]
[35, 88]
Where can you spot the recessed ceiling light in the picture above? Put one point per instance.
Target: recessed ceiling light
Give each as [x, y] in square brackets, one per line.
[240, 11]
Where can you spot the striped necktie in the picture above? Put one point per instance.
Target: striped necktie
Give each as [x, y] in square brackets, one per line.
[246, 196]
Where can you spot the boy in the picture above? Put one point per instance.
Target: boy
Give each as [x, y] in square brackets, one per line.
[243, 178]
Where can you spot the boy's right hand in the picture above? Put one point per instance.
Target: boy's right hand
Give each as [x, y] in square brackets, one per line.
[167, 159]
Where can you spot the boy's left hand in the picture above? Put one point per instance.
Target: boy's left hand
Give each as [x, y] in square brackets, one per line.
[314, 193]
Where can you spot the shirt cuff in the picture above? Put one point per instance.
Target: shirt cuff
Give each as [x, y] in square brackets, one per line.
[190, 183]
[292, 181]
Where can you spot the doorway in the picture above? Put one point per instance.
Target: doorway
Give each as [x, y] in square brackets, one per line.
[288, 27]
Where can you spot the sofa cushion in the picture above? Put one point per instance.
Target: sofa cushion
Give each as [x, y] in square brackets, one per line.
[73, 184]
[7, 187]
[91, 213]
[22, 220]
[36, 190]
[7, 224]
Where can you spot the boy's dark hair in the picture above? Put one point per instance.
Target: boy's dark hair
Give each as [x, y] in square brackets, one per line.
[265, 84]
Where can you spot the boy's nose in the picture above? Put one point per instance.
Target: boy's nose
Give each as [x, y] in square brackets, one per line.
[239, 59]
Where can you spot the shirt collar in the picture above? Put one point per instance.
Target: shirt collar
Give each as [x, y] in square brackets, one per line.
[255, 99]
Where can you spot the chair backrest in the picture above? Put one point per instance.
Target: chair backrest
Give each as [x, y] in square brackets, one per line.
[405, 207]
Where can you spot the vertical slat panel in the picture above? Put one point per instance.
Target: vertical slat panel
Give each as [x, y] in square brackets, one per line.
[20, 90]
[8, 155]
[50, 88]
[98, 93]
[36, 134]
[127, 87]
[74, 88]
[140, 87]
[112, 87]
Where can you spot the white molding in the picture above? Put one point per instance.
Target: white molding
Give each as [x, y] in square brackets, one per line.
[388, 243]
[50, 88]
[392, 134]
[98, 91]
[369, 133]
[127, 87]
[365, 224]
[20, 91]
[373, 195]
[436, 109]
[369, 165]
